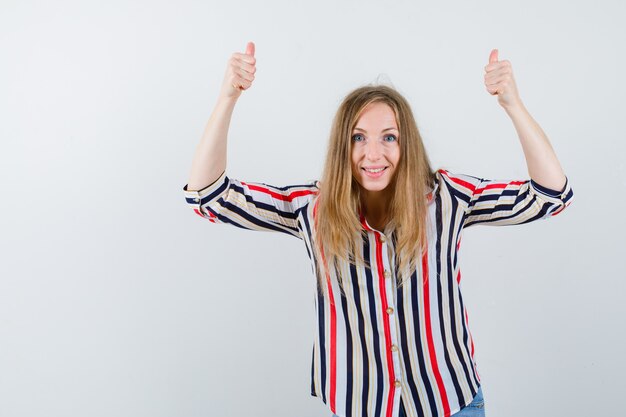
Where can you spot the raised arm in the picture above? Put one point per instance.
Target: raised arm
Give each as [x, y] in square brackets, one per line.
[508, 202]
[209, 160]
[221, 199]
[543, 165]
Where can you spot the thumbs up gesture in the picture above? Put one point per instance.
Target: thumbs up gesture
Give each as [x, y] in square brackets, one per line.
[239, 72]
[499, 81]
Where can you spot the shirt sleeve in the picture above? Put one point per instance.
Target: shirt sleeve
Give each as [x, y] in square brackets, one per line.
[506, 202]
[252, 205]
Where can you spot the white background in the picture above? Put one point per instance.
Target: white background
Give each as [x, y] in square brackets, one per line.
[117, 300]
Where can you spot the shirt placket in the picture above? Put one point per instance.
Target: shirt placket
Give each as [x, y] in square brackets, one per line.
[393, 344]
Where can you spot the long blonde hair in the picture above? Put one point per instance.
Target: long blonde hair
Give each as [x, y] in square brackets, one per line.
[338, 230]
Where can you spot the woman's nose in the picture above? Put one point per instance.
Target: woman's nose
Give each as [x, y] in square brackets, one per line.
[373, 151]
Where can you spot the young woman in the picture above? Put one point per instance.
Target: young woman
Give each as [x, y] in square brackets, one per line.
[382, 230]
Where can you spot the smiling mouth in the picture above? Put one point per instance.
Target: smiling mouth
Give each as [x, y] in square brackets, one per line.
[374, 171]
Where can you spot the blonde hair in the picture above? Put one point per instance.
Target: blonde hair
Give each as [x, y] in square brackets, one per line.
[338, 230]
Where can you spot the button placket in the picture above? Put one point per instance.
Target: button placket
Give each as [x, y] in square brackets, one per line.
[391, 314]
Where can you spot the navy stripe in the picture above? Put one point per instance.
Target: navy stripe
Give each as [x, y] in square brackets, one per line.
[456, 193]
[225, 219]
[551, 192]
[262, 205]
[323, 349]
[216, 193]
[286, 188]
[542, 212]
[307, 229]
[313, 371]
[356, 293]
[349, 365]
[454, 314]
[256, 221]
[372, 308]
[421, 355]
[404, 343]
[466, 341]
[440, 297]
[504, 206]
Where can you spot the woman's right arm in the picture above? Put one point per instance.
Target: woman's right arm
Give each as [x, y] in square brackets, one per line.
[209, 160]
[220, 199]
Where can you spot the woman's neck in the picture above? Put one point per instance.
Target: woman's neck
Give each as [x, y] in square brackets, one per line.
[375, 206]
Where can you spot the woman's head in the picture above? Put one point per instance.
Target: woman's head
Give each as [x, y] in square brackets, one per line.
[373, 108]
[358, 140]
[375, 149]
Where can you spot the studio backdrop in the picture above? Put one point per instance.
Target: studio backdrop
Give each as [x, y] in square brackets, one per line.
[117, 300]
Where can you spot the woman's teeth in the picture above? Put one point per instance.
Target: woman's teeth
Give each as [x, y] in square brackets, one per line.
[373, 170]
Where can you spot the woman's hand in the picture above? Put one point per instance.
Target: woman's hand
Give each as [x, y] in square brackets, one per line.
[499, 81]
[239, 73]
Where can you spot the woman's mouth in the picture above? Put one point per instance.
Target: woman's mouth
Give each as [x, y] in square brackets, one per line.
[374, 172]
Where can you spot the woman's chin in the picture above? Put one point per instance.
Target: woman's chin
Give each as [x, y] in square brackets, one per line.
[373, 187]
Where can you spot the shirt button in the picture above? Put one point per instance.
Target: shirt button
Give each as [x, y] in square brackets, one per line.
[389, 310]
[397, 383]
[196, 199]
[383, 238]
[387, 274]
[394, 348]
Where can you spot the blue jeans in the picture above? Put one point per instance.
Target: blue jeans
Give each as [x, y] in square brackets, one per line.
[474, 409]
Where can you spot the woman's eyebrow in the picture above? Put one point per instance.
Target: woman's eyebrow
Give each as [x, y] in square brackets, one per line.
[384, 130]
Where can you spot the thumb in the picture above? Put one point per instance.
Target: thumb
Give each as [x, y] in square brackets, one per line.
[250, 48]
[493, 56]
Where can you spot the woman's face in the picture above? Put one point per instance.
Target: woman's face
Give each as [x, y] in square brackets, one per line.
[375, 148]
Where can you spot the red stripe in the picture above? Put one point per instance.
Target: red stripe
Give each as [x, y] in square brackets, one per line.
[211, 216]
[333, 341]
[381, 284]
[429, 337]
[289, 197]
[472, 343]
[497, 185]
[558, 210]
[470, 333]
[381, 280]
[562, 208]
[458, 180]
[333, 328]
[458, 245]
[479, 190]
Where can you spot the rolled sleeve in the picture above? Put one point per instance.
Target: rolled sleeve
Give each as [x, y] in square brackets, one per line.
[252, 205]
[558, 199]
[199, 198]
[506, 202]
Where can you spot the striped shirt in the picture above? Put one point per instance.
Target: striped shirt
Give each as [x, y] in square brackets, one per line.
[379, 346]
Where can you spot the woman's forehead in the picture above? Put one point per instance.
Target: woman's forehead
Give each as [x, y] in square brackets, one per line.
[376, 116]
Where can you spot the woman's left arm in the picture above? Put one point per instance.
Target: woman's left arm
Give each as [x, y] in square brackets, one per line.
[543, 164]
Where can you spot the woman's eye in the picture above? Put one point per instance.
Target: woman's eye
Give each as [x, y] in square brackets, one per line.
[360, 138]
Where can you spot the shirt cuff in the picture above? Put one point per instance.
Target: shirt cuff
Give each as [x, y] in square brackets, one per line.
[549, 192]
[196, 197]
